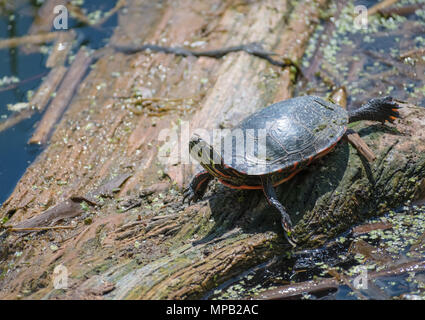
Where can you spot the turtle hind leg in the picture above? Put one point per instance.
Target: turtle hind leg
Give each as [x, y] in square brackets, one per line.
[379, 109]
[271, 197]
[197, 186]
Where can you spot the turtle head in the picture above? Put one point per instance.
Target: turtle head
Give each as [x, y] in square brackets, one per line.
[204, 153]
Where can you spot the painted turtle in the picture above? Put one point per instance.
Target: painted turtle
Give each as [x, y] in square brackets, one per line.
[295, 133]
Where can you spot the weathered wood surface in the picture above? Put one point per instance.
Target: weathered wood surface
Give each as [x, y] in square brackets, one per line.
[64, 95]
[164, 249]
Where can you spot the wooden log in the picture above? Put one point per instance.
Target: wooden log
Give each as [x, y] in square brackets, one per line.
[38, 229]
[323, 203]
[401, 11]
[26, 40]
[77, 13]
[412, 53]
[40, 99]
[380, 6]
[63, 96]
[47, 88]
[15, 119]
[291, 291]
[61, 48]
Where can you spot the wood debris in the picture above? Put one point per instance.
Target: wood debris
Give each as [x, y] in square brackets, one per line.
[63, 96]
[380, 6]
[40, 99]
[30, 39]
[61, 48]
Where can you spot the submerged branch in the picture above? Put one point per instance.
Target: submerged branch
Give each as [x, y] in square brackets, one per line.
[314, 286]
[31, 39]
[253, 48]
[380, 6]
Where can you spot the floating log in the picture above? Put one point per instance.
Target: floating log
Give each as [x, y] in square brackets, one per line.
[26, 40]
[63, 96]
[78, 14]
[15, 119]
[40, 99]
[380, 6]
[296, 290]
[61, 48]
[47, 88]
[413, 53]
[401, 11]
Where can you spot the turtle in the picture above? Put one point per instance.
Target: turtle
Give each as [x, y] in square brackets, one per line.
[294, 133]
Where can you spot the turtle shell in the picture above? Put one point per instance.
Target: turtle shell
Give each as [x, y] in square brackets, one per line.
[284, 134]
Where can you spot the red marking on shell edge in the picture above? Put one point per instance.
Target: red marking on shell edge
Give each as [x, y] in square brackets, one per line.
[287, 178]
[243, 187]
[325, 151]
[310, 159]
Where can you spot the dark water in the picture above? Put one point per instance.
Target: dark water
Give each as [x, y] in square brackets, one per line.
[15, 154]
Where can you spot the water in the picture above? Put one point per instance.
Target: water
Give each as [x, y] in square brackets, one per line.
[15, 154]
[367, 61]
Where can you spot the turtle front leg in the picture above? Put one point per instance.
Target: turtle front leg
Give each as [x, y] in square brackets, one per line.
[197, 186]
[271, 197]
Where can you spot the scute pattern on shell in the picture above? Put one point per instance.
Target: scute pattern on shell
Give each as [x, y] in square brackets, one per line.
[294, 130]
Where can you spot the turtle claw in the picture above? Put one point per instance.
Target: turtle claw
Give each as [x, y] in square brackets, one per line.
[386, 109]
[197, 187]
[288, 232]
[191, 196]
[187, 194]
